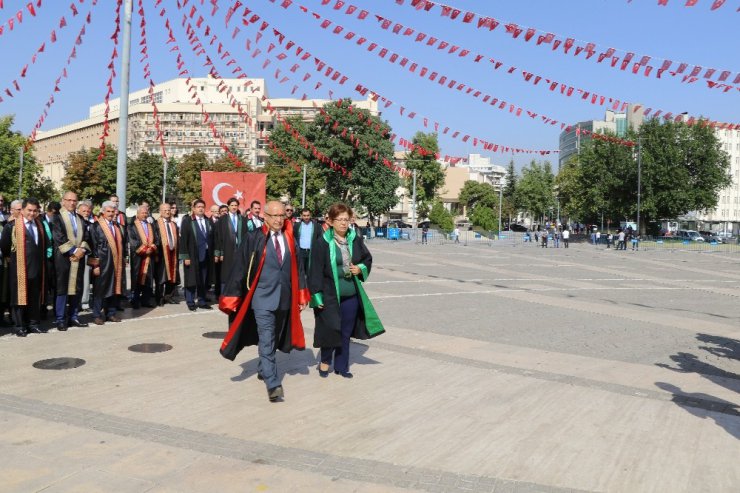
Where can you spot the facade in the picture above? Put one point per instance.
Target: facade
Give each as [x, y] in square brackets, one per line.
[726, 216]
[617, 123]
[181, 121]
[478, 168]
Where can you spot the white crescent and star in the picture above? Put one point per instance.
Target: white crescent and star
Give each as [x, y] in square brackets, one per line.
[217, 189]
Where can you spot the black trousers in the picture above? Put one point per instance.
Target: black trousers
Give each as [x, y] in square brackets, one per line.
[29, 314]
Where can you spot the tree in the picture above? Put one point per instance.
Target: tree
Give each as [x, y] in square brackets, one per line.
[481, 199]
[535, 189]
[357, 141]
[441, 216]
[144, 180]
[429, 174]
[474, 194]
[510, 206]
[89, 177]
[33, 184]
[683, 169]
[188, 176]
[283, 181]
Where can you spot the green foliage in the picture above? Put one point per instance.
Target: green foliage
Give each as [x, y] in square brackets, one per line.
[429, 174]
[441, 216]
[33, 184]
[534, 191]
[683, 169]
[89, 178]
[481, 199]
[485, 217]
[144, 180]
[283, 181]
[372, 185]
[474, 194]
[188, 176]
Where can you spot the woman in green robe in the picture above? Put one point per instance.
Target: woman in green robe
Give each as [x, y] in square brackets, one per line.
[340, 263]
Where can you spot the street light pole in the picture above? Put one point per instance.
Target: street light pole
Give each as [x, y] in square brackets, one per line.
[123, 107]
[639, 181]
[303, 196]
[413, 199]
[20, 173]
[500, 195]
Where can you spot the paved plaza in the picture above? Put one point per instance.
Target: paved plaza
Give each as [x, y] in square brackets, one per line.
[504, 369]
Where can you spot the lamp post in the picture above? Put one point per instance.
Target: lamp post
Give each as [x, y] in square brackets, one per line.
[639, 181]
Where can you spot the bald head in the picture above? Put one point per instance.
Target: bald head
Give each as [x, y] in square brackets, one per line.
[274, 215]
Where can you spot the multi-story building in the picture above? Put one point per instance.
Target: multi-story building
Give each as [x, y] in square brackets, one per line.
[181, 121]
[478, 168]
[573, 138]
[726, 216]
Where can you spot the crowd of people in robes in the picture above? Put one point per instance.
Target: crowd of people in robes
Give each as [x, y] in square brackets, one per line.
[60, 261]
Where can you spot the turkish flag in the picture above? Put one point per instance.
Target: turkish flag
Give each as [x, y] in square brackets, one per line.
[217, 187]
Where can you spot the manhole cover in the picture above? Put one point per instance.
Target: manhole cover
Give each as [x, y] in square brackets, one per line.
[150, 347]
[59, 363]
[214, 335]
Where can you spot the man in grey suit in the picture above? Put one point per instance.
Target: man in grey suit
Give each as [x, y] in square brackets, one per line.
[264, 295]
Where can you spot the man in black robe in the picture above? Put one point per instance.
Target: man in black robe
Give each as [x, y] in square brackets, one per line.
[143, 247]
[23, 243]
[264, 295]
[229, 233]
[166, 269]
[69, 231]
[196, 253]
[107, 243]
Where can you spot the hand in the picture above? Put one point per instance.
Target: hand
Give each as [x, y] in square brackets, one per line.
[96, 271]
[354, 270]
[216, 259]
[186, 262]
[320, 307]
[221, 258]
[79, 254]
[301, 306]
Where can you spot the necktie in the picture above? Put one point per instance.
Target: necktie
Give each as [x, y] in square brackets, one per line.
[202, 226]
[112, 229]
[170, 241]
[233, 222]
[278, 251]
[74, 223]
[32, 232]
[146, 228]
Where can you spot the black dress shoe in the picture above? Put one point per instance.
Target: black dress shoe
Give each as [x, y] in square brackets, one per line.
[205, 307]
[77, 323]
[345, 374]
[19, 331]
[260, 377]
[173, 302]
[35, 329]
[192, 308]
[275, 394]
[135, 305]
[61, 327]
[148, 305]
[323, 373]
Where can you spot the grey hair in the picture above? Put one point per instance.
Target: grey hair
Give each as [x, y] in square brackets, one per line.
[107, 204]
[85, 202]
[16, 202]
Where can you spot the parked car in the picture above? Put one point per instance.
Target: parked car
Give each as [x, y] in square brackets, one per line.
[709, 237]
[397, 224]
[690, 235]
[518, 228]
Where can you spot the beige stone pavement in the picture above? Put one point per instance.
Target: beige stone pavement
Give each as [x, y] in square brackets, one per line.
[420, 410]
[402, 409]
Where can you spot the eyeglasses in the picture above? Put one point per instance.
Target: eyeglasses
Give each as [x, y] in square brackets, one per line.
[279, 216]
[341, 220]
[288, 210]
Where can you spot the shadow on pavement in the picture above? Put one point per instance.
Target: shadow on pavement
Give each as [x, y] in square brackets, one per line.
[302, 362]
[705, 406]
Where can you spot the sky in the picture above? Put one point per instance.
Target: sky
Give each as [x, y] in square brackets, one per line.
[695, 35]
